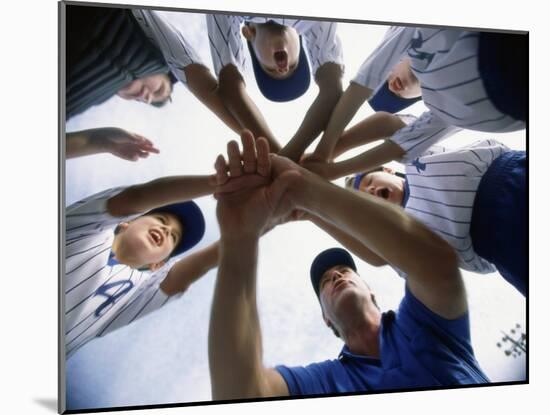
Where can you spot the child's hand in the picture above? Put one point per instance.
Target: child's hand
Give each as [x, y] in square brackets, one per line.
[121, 143]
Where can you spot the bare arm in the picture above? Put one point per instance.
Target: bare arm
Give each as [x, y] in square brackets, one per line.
[121, 143]
[352, 99]
[352, 244]
[189, 269]
[389, 232]
[234, 338]
[378, 126]
[204, 86]
[160, 192]
[329, 80]
[232, 92]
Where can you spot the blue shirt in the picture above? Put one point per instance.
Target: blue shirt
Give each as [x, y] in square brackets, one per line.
[418, 349]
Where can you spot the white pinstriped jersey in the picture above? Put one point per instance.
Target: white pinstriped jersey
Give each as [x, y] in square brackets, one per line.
[443, 184]
[99, 297]
[177, 51]
[320, 41]
[445, 62]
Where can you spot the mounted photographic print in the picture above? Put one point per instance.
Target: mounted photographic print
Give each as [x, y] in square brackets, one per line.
[268, 206]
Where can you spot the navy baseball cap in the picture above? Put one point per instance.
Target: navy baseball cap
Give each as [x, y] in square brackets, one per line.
[326, 260]
[192, 220]
[282, 90]
[385, 100]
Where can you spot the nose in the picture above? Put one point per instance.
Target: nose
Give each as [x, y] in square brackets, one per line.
[146, 96]
[371, 190]
[336, 275]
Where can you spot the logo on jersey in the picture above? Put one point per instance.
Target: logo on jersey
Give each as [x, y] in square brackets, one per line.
[419, 165]
[120, 289]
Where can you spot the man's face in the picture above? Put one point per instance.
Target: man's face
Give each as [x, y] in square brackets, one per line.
[343, 293]
[384, 185]
[148, 240]
[151, 89]
[402, 81]
[277, 47]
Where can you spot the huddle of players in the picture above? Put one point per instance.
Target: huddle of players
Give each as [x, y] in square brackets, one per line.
[452, 208]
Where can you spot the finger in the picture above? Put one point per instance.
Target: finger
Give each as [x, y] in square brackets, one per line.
[264, 161]
[234, 159]
[249, 152]
[221, 170]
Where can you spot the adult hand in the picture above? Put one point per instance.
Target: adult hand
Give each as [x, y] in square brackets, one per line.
[324, 169]
[121, 143]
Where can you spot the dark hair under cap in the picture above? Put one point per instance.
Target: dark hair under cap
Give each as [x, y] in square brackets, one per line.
[327, 259]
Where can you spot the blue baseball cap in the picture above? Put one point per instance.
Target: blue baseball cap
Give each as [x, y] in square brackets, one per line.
[192, 221]
[385, 100]
[326, 260]
[282, 90]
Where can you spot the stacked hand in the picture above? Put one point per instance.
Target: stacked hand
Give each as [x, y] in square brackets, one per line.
[254, 188]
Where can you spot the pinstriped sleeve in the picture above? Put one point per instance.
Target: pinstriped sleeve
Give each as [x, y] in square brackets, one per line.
[376, 68]
[226, 45]
[177, 51]
[422, 134]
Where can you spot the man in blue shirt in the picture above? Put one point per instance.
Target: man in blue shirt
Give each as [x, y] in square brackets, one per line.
[426, 343]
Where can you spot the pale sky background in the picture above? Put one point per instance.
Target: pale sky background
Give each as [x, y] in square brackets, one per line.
[162, 358]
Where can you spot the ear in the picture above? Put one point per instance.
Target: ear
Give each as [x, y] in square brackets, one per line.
[388, 170]
[249, 32]
[156, 266]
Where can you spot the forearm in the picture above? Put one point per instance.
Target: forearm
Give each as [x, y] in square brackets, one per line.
[329, 79]
[189, 269]
[232, 92]
[383, 228]
[349, 103]
[204, 86]
[80, 143]
[160, 192]
[234, 339]
[349, 242]
[370, 159]
[378, 126]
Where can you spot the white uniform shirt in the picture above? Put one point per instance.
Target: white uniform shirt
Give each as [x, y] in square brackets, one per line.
[319, 40]
[177, 51]
[443, 184]
[445, 62]
[100, 298]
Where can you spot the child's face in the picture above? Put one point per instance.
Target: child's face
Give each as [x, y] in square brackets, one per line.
[277, 48]
[384, 185]
[150, 89]
[148, 240]
[402, 81]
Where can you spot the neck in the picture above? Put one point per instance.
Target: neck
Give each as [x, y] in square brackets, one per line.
[361, 336]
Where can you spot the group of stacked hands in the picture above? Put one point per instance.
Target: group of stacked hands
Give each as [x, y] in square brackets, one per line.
[446, 212]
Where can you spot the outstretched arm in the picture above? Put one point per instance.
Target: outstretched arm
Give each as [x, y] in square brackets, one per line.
[204, 86]
[160, 192]
[232, 92]
[329, 80]
[189, 269]
[349, 103]
[386, 230]
[121, 143]
[234, 338]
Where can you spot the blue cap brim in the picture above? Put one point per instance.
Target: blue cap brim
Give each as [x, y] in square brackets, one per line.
[325, 261]
[385, 100]
[282, 90]
[192, 220]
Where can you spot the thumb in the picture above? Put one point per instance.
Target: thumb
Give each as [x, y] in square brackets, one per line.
[276, 191]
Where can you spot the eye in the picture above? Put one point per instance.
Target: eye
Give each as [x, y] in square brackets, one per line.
[162, 219]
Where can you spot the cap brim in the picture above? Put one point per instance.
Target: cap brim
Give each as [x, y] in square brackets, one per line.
[282, 90]
[192, 220]
[385, 100]
[325, 261]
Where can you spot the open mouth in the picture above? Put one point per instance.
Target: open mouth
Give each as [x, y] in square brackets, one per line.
[384, 193]
[281, 59]
[340, 283]
[156, 236]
